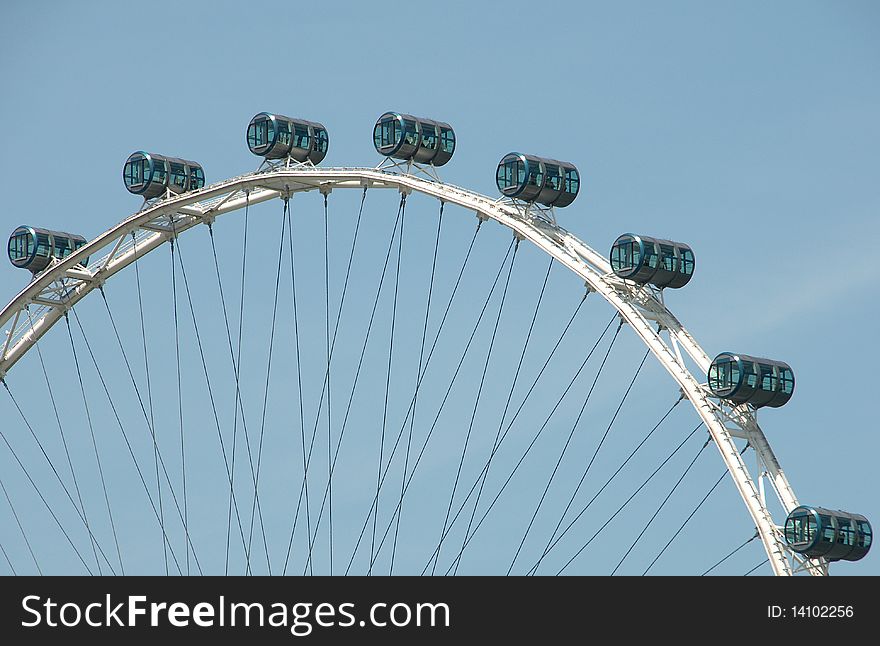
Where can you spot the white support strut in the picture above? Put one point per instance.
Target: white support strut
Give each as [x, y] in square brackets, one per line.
[64, 283]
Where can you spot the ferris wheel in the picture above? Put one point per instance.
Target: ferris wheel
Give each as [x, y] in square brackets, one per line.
[281, 486]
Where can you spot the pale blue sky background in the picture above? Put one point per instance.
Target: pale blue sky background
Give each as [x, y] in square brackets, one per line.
[747, 129]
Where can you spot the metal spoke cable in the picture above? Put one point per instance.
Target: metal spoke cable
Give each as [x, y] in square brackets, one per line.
[387, 377]
[476, 402]
[757, 566]
[137, 276]
[230, 469]
[302, 421]
[528, 449]
[305, 485]
[266, 389]
[732, 553]
[237, 404]
[661, 505]
[179, 406]
[57, 475]
[46, 504]
[20, 529]
[129, 446]
[513, 383]
[565, 449]
[599, 446]
[66, 450]
[355, 381]
[442, 403]
[147, 417]
[8, 561]
[619, 509]
[410, 409]
[412, 419]
[210, 389]
[511, 422]
[91, 426]
[691, 515]
[329, 384]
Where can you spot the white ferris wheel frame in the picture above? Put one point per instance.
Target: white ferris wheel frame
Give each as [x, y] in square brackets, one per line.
[60, 286]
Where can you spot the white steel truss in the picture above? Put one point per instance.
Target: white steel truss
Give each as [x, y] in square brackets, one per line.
[52, 292]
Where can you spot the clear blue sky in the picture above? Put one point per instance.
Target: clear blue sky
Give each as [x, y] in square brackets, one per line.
[747, 129]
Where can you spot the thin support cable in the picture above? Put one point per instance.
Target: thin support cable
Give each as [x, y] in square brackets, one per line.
[57, 475]
[446, 395]
[8, 561]
[732, 553]
[565, 446]
[767, 560]
[20, 529]
[387, 378]
[66, 450]
[46, 504]
[131, 449]
[97, 453]
[412, 421]
[510, 423]
[180, 406]
[513, 383]
[528, 449]
[619, 509]
[329, 384]
[210, 389]
[137, 276]
[355, 381]
[302, 422]
[661, 505]
[304, 486]
[236, 368]
[477, 401]
[266, 389]
[691, 515]
[598, 447]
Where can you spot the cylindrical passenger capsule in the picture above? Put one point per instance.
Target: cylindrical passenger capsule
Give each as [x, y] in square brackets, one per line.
[150, 175]
[834, 535]
[33, 249]
[410, 138]
[742, 379]
[534, 179]
[275, 136]
[662, 263]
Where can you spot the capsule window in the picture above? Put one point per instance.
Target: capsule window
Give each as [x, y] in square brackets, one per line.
[768, 377]
[511, 173]
[429, 137]
[554, 177]
[625, 255]
[686, 264]
[801, 529]
[301, 137]
[321, 141]
[258, 133]
[412, 132]
[865, 534]
[667, 257]
[724, 375]
[136, 171]
[43, 246]
[786, 379]
[21, 246]
[447, 140]
[178, 177]
[196, 177]
[387, 133]
[572, 181]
